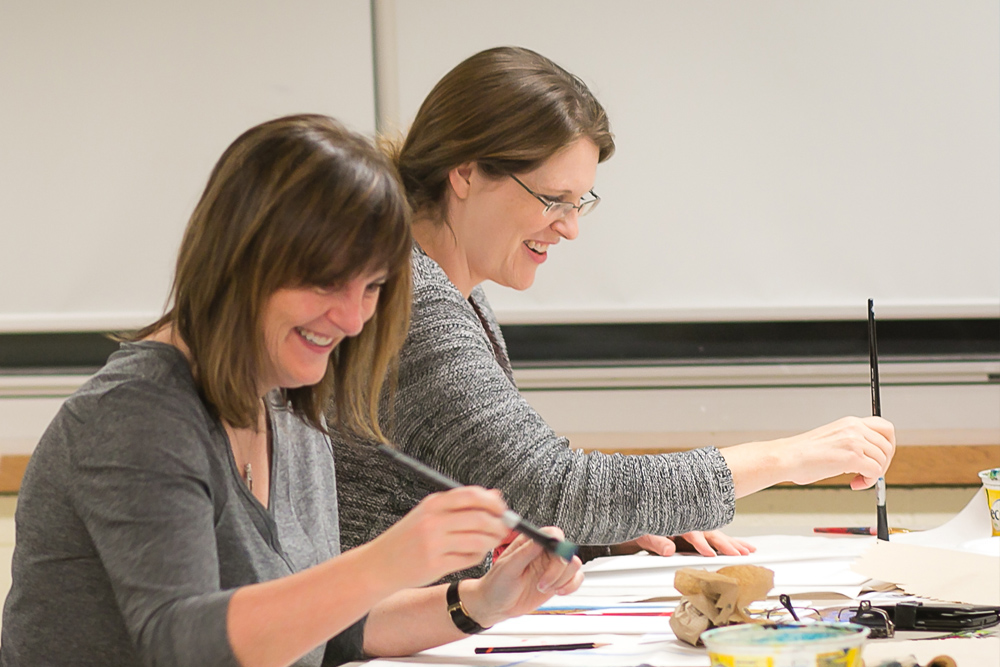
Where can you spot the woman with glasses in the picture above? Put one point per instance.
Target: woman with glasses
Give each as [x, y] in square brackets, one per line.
[499, 165]
[181, 508]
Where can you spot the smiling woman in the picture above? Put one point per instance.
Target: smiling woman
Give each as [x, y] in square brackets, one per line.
[496, 231]
[499, 165]
[301, 326]
[181, 507]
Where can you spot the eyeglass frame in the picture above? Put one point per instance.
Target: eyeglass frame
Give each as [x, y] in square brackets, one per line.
[787, 608]
[877, 620]
[551, 204]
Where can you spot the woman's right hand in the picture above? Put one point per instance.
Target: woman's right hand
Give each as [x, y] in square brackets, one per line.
[862, 446]
[445, 532]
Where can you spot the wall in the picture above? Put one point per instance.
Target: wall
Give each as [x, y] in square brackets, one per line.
[776, 159]
[112, 115]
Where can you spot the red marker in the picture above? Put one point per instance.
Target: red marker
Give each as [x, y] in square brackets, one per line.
[857, 530]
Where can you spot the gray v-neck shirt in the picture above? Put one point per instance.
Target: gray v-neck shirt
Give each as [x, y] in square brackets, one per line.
[134, 526]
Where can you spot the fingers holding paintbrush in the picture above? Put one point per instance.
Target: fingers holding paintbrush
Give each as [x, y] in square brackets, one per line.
[560, 547]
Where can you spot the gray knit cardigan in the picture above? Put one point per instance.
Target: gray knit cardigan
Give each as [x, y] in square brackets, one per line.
[458, 410]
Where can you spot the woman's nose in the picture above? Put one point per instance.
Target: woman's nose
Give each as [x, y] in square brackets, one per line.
[567, 226]
[350, 311]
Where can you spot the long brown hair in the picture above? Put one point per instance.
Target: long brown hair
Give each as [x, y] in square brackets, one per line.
[297, 201]
[508, 109]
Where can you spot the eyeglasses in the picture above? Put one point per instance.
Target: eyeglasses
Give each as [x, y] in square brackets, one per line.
[786, 612]
[879, 625]
[793, 615]
[557, 209]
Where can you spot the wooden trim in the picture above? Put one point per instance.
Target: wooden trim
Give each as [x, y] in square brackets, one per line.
[12, 468]
[912, 465]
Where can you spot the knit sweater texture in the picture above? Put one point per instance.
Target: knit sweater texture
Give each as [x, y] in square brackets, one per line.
[458, 410]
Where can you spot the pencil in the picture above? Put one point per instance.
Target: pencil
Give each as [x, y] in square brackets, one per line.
[562, 548]
[882, 519]
[540, 647]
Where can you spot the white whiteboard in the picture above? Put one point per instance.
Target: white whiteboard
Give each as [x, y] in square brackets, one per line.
[777, 159]
[112, 114]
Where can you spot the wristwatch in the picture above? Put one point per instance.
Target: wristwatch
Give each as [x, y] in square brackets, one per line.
[459, 616]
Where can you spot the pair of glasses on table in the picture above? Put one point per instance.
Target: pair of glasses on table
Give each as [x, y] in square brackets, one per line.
[878, 622]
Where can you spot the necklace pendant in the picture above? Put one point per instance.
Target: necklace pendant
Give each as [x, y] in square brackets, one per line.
[248, 473]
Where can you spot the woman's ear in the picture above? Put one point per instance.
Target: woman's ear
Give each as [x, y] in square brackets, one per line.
[460, 179]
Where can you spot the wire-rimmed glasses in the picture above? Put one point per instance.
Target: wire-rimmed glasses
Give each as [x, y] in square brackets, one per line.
[877, 621]
[786, 613]
[558, 209]
[793, 615]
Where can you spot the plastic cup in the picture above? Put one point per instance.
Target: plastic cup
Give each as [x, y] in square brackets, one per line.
[991, 482]
[786, 645]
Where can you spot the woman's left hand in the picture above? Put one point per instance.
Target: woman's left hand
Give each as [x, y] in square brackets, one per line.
[522, 578]
[713, 542]
[709, 543]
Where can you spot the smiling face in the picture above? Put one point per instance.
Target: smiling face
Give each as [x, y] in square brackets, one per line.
[302, 325]
[502, 231]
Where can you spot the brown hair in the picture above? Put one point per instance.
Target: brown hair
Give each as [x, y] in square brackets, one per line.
[297, 201]
[508, 109]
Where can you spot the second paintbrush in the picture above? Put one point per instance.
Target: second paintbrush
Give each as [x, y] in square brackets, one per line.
[881, 518]
[562, 548]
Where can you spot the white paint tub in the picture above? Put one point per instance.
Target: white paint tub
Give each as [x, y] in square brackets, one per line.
[786, 645]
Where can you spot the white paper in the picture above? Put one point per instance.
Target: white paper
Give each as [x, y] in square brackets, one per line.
[958, 561]
[622, 651]
[803, 566]
[938, 574]
[971, 652]
[971, 524]
[571, 602]
[770, 549]
[573, 624]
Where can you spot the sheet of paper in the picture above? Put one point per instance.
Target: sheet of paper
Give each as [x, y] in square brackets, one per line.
[770, 549]
[970, 525]
[939, 574]
[620, 651]
[574, 624]
[803, 566]
[668, 592]
[564, 602]
[964, 570]
[974, 652]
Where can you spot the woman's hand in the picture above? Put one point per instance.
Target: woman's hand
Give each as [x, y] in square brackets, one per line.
[863, 446]
[520, 580]
[713, 542]
[709, 543]
[859, 446]
[444, 533]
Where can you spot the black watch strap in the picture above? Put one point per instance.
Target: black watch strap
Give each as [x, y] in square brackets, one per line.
[459, 616]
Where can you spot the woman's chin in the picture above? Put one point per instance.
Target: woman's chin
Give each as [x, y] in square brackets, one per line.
[519, 282]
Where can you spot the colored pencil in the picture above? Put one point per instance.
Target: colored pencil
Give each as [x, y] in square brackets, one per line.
[539, 647]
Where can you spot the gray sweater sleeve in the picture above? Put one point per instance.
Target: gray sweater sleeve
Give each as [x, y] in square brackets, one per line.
[149, 511]
[457, 410]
